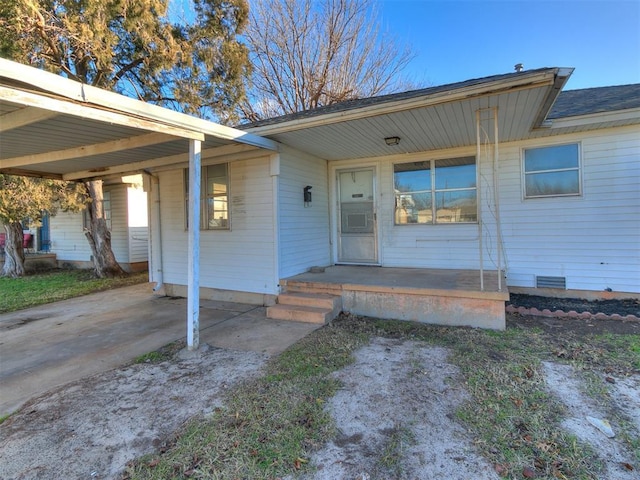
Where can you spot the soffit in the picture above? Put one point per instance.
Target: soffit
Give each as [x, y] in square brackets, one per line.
[429, 119]
[423, 128]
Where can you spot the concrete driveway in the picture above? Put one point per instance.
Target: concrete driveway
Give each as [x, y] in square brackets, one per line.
[51, 345]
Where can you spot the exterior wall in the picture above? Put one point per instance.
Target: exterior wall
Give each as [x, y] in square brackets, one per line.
[420, 246]
[129, 243]
[119, 222]
[138, 244]
[593, 239]
[432, 246]
[138, 225]
[240, 259]
[67, 238]
[304, 230]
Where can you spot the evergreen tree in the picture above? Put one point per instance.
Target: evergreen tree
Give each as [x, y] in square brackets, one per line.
[133, 47]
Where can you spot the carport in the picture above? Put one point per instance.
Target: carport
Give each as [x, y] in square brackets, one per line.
[58, 128]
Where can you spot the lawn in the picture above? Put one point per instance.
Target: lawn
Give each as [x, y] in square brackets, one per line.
[41, 288]
[269, 427]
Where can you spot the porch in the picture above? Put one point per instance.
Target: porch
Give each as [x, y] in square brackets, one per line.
[435, 296]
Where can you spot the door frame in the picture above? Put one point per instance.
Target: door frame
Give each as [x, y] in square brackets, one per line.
[335, 170]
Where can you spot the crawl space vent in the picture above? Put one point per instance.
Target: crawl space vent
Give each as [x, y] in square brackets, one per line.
[551, 282]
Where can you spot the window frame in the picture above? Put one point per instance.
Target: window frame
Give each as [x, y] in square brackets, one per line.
[106, 212]
[205, 196]
[433, 190]
[524, 172]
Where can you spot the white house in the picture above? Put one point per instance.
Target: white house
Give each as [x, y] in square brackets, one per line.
[429, 205]
[125, 208]
[509, 175]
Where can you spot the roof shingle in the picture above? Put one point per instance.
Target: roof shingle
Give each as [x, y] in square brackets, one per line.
[595, 100]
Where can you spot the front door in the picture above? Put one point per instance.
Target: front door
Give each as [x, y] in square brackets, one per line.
[44, 234]
[357, 219]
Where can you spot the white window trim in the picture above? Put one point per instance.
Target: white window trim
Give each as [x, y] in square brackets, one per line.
[523, 173]
[204, 196]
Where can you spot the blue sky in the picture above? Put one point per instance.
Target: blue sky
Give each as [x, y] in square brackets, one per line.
[456, 40]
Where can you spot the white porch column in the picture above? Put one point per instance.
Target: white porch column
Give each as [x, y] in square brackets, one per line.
[193, 253]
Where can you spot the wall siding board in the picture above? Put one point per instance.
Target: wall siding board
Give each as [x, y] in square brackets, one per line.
[119, 222]
[592, 239]
[240, 259]
[304, 231]
[138, 244]
[67, 238]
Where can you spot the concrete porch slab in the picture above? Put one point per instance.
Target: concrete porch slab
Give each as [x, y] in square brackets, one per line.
[435, 296]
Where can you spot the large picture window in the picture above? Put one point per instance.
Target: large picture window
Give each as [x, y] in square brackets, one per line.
[436, 191]
[552, 171]
[214, 197]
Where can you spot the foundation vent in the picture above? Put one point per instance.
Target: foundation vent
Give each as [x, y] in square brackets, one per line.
[551, 282]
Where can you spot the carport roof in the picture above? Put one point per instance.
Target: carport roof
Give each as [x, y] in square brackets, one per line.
[55, 127]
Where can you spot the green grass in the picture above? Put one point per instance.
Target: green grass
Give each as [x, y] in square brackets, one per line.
[269, 427]
[42, 288]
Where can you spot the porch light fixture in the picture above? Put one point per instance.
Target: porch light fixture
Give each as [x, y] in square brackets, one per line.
[391, 141]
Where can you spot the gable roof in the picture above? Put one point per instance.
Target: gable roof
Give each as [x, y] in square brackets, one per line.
[528, 104]
[588, 101]
[435, 118]
[568, 103]
[355, 104]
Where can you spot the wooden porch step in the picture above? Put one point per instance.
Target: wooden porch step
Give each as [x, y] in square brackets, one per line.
[306, 307]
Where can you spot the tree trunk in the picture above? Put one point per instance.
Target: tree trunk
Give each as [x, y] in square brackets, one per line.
[13, 251]
[99, 236]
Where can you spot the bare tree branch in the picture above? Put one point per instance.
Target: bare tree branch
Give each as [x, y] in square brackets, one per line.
[310, 53]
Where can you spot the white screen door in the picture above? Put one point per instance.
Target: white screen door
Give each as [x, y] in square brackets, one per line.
[357, 225]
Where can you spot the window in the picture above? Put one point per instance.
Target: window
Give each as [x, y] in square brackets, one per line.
[552, 171]
[106, 211]
[214, 197]
[436, 191]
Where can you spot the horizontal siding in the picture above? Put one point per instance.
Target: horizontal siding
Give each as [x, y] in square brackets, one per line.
[593, 240]
[69, 243]
[304, 231]
[67, 238]
[119, 223]
[240, 259]
[428, 246]
[138, 244]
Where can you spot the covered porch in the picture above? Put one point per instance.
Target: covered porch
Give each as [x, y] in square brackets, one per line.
[451, 297]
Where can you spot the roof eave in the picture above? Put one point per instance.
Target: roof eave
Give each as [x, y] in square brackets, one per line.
[90, 97]
[561, 79]
[554, 77]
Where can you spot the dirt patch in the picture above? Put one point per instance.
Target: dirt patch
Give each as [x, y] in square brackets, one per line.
[585, 418]
[395, 413]
[93, 427]
[396, 419]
